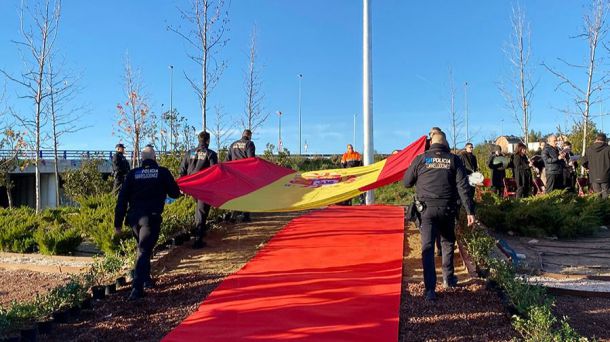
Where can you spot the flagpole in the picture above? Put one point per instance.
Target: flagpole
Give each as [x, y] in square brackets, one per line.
[367, 90]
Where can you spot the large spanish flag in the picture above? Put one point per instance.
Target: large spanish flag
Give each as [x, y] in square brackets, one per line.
[256, 185]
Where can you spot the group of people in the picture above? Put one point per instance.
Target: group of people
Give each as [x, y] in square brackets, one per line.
[553, 167]
[142, 192]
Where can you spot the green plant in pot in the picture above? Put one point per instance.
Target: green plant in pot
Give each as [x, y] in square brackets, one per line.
[95, 278]
[112, 265]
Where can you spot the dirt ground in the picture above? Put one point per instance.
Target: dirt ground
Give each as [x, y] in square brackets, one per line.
[466, 313]
[16, 285]
[588, 316]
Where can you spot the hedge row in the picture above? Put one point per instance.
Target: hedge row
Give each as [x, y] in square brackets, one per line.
[559, 214]
[61, 230]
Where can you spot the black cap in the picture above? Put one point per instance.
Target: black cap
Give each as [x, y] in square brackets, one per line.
[119, 145]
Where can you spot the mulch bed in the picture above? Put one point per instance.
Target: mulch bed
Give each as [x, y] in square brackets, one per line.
[588, 316]
[466, 313]
[18, 285]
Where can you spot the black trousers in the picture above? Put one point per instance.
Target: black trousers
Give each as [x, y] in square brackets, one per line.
[437, 221]
[117, 184]
[146, 232]
[553, 182]
[601, 189]
[524, 184]
[201, 216]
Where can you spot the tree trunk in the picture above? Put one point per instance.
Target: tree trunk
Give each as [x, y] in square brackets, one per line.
[9, 196]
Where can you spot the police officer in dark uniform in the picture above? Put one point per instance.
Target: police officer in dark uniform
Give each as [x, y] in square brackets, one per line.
[440, 178]
[241, 149]
[120, 167]
[194, 161]
[141, 200]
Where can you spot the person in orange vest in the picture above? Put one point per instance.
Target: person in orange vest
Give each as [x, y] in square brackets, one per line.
[349, 159]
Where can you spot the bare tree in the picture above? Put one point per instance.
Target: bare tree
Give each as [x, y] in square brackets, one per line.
[133, 115]
[457, 121]
[38, 29]
[253, 113]
[587, 94]
[518, 88]
[207, 23]
[222, 128]
[64, 117]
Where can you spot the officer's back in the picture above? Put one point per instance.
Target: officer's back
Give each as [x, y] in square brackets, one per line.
[145, 190]
[198, 159]
[242, 148]
[440, 176]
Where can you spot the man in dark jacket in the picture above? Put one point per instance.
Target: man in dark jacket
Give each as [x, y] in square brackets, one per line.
[554, 163]
[597, 161]
[242, 149]
[498, 170]
[120, 167]
[470, 162]
[439, 178]
[522, 172]
[141, 200]
[194, 161]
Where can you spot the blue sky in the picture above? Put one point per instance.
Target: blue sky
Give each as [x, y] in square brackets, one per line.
[414, 45]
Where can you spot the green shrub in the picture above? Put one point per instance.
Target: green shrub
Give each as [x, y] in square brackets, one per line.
[17, 228]
[178, 216]
[540, 325]
[556, 214]
[479, 245]
[86, 180]
[171, 161]
[394, 193]
[58, 239]
[96, 221]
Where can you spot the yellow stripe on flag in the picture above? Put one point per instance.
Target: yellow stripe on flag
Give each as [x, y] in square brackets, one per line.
[309, 190]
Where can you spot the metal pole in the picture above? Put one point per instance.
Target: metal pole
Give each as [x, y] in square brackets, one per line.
[171, 107]
[367, 90]
[300, 79]
[354, 140]
[466, 110]
[279, 132]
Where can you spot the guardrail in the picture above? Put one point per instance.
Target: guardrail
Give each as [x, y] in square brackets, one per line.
[102, 154]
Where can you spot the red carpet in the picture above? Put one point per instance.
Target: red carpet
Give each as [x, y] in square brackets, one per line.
[331, 275]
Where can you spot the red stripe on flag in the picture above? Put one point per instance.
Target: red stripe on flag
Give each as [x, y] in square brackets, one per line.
[226, 181]
[397, 164]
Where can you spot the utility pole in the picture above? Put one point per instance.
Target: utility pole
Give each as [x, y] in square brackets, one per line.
[466, 110]
[279, 132]
[367, 90]
[171, 107]
[300, 79]
[354, 140]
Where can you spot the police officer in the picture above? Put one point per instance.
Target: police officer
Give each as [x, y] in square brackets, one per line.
[141, 201]
[241, 149]
[120, 167]
[194, 161]
[439, 177]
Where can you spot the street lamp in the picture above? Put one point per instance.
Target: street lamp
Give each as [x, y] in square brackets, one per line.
[171, 107]
[279, 131]
[300, 81]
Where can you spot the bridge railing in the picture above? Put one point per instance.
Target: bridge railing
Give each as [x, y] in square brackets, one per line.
[99, 154]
